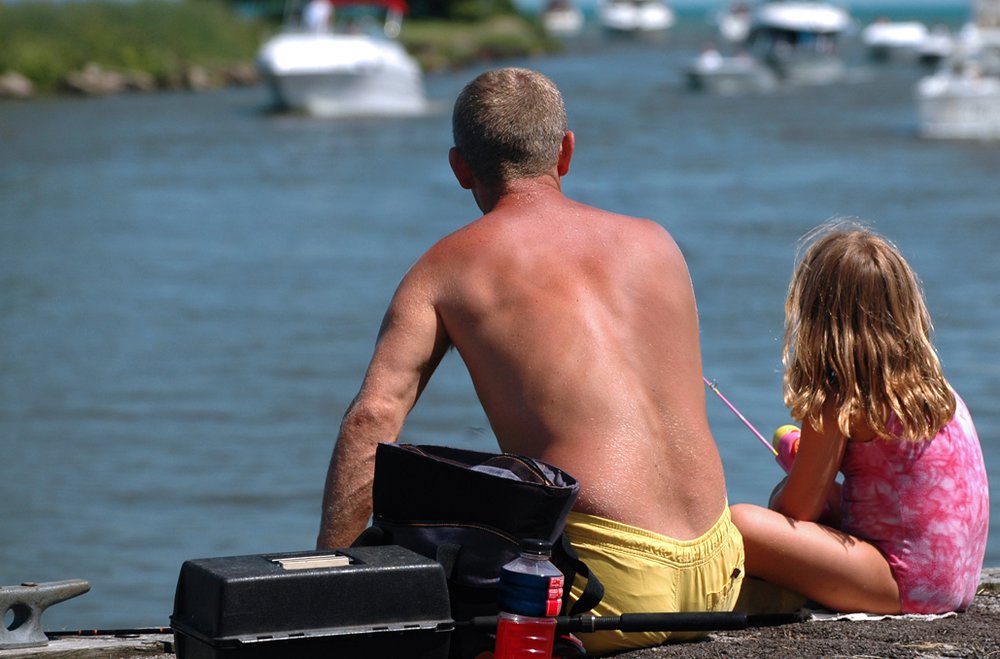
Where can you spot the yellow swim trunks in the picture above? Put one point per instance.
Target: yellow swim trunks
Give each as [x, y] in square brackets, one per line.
[645, 572]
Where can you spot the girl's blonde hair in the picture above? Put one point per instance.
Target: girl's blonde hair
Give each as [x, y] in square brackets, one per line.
[857, 334]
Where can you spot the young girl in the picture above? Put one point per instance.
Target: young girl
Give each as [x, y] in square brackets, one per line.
[906, 531]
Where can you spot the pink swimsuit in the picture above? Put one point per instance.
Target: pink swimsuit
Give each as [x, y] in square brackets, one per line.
[925, 505]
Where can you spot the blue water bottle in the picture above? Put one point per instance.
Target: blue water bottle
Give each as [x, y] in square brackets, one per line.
[531, 590]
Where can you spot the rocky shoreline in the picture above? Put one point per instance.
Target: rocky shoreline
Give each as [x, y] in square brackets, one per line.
[95, 80]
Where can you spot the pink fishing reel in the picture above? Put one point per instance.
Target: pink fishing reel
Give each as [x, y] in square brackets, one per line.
[786, 442]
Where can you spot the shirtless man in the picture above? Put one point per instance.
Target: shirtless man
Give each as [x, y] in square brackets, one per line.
[580, 332]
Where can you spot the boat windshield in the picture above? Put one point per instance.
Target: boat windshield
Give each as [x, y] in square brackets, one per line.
[368, 17]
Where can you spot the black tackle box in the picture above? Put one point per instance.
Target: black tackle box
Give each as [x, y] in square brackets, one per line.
[363, 602]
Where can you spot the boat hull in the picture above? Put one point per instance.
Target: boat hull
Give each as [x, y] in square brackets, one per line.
[959, 109]
[563, 21]
[344, 93]
[808, 68]
[635, 17]
[341, 75]
[732, 77]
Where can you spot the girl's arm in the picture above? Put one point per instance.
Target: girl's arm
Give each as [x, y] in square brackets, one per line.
[811, 484]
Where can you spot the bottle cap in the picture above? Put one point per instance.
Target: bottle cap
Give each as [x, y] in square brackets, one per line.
[536, 546]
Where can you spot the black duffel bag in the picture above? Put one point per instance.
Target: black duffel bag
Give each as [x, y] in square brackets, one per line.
[469, 510]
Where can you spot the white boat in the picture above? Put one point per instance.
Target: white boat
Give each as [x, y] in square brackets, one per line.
[732, 75]
[310, 68]
[562, 18]
[632, 16]
[885, 40]
[799, 40]
[962, 99]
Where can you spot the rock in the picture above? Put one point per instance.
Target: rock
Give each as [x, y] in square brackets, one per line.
[241, 75]
[140, 81]
[95, 81]
[197, 78]
[15, 85]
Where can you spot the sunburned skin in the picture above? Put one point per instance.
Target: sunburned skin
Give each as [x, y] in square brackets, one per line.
[579, 330]
[594, 322]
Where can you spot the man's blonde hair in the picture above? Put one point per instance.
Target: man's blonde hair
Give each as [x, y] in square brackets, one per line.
[509, 124]
[857, 334]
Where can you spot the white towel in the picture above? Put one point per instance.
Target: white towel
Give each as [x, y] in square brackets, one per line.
[814, 615]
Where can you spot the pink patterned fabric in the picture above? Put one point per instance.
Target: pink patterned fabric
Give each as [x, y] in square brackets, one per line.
[925, 505]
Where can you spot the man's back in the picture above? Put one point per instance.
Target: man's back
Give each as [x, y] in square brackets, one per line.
[580, 332]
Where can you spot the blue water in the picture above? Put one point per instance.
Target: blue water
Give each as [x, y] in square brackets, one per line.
[190, 289]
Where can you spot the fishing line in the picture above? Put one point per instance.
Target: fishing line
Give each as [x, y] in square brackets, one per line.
[711, 385]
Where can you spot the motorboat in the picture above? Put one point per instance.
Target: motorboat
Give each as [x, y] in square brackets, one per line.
[961, 100]
[633, 16]
[729, 75]
[959, 105]
[562, 18]
[327, 65]
[886, 40]
[800, 40]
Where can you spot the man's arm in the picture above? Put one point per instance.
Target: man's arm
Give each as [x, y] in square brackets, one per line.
[410, 345]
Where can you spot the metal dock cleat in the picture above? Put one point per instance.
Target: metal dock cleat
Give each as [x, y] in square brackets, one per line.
[27, 602]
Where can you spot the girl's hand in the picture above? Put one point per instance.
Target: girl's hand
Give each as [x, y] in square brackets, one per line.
[811, 485]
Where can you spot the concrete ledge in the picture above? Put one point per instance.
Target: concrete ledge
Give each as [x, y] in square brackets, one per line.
[989, 580]
[141, 646]
[970, 634]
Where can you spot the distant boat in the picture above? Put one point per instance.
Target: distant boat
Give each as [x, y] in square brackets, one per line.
[733, 75]
[962, 99]
[886, 40]
[800, 40]
[361, 70]
[632, 16]
[562, 17]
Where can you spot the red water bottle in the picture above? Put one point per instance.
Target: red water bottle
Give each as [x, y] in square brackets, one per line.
[531, 590]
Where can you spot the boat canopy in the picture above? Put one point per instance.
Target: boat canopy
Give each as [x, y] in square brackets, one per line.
[392, 5]
[802, 17]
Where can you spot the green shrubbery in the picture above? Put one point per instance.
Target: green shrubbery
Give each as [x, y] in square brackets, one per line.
[440, 44]
[165, 39]
[47, 41]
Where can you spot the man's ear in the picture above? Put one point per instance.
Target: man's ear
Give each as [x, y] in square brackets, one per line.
[566, 152]
[463, 173]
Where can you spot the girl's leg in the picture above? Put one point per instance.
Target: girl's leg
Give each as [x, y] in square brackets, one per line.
[830, 567]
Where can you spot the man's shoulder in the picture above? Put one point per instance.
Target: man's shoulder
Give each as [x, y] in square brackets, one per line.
[643, 228]
[452, 248]
[640, 223]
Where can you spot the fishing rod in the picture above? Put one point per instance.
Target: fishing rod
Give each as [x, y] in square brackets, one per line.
[134, 631]
[694, 621]
[711, 385]
[785, 445]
